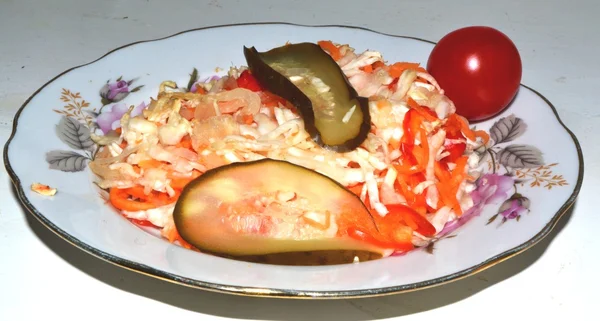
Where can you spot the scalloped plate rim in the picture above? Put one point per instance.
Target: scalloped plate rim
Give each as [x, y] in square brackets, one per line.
[275, 292]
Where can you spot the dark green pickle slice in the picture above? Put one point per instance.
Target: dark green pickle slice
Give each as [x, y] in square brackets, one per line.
[215, 213]
[334, 115]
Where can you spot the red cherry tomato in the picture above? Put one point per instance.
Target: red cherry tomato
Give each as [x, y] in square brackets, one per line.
[479, 68]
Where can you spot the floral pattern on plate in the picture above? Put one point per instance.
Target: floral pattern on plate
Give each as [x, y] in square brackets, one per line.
[509, 165]
[80, 124]
[519, 162]
[80, 217]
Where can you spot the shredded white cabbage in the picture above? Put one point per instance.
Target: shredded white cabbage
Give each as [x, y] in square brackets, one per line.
[221, 133]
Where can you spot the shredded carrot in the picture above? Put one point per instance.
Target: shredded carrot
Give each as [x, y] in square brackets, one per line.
[412, 103]
[119, 130]
[383, 103]
[248, 119]
[367, 68]
[419, 200]
[441, 173]
[172, 235]
[448, 198]
[200, 90]
[407, 169]
[452, 127]
[141, 222]
[449, 182]
[150, 163]
[186, 142]
[408, 135]
[415, 157]
[138, 192]
[405, 184]
[427, 113]
[183, 242]
[356, 189]
[134, 199]
[378, 64]
[443, 185]
[402, 187]
[410, 222]
[333, 50]
[464, 127]
[483, 135]
[181, 182]
[398, 68]
[459, 171]
[119, 198]
[415, 179]
[269, 99]
[187, 112]
[411, 126]
[408, 155]
[420, 204]
[249, 137]
[422, 153]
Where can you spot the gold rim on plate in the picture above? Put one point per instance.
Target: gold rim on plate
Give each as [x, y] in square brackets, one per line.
[286, 293]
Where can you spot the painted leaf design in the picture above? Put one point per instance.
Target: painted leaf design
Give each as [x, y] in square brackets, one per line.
[66, 161]
[430, 248]
[506, 129]
[74, 134]
[520, 156]
[193, 79]
[136, 89]
[491, 219]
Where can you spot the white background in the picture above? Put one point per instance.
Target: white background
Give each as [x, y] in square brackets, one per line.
[42, 276]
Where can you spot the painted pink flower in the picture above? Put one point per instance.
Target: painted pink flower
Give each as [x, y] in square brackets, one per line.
[491, 188]
[116, 89]
[514, 207]
[113, 92]
[110, 118]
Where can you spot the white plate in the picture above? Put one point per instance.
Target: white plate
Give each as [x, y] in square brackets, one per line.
[81, 217]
